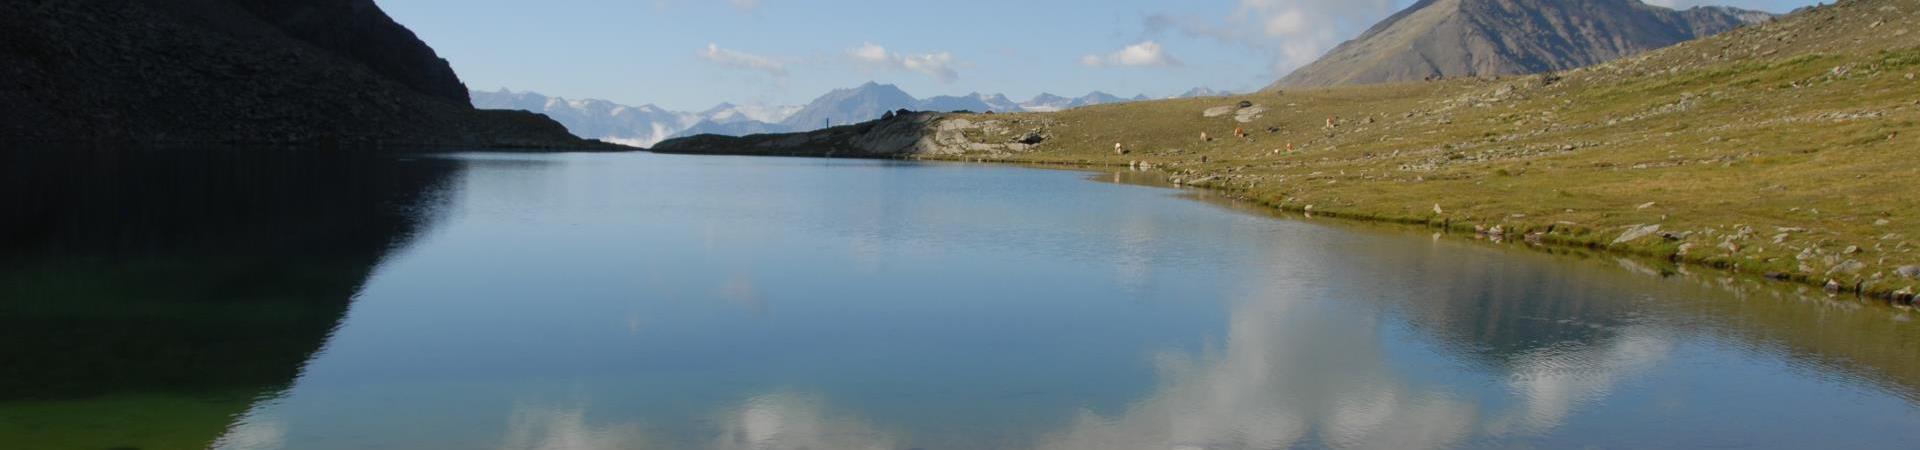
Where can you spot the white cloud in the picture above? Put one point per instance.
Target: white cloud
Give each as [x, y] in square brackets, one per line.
[1143, 54]
[870, 54]
[1292, 32]
[940, 66]
[735, 59]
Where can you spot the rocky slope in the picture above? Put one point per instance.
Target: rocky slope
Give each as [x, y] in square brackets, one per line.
[1464, 38]
[238, 71]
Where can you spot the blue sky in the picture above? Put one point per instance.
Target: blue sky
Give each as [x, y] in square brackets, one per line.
[692, 54]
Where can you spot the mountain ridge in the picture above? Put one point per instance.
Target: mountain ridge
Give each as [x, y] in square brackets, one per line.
[646, 125]
[238, 72]
[1460, 38]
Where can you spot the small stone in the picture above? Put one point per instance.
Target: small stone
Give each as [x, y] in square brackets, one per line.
[1851, 249]
[1832, 286]
[1882, 222]
[1684, 249]
[1848, 267]
[1646, 205]
[1636, 232]
[1908, 271]
[1437, 210]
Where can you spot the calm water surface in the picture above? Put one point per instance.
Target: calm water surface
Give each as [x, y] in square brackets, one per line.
[274, 300]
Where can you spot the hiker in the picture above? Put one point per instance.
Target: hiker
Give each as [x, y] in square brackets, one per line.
[1239, 132]
[1204, 138]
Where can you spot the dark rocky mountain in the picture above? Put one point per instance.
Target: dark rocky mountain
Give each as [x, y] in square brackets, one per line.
[360, 31]
[1456, 38]
[238, 71]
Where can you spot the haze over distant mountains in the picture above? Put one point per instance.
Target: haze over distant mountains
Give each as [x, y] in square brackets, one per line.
[646, 125]
[1456, 38]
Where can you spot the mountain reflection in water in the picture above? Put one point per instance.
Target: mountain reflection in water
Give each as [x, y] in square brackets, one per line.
[147, 297]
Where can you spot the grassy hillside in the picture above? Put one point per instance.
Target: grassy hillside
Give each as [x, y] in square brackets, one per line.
[1790, 149]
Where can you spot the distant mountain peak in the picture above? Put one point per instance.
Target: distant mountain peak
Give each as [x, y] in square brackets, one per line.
[717, 109]
[1047, 96]
[1455, 38]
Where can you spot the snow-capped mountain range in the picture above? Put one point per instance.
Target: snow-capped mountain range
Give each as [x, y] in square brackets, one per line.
[645, 125]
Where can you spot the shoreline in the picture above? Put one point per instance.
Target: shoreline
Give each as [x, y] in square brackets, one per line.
[1498, 234]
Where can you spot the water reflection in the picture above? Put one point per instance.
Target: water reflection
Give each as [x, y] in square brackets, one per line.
[639, 301]
[796, 421]
[535, 428]
[146, 297]
[1553, 381]
[1290, 370]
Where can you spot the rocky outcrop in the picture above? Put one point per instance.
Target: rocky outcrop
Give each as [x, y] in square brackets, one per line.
[238, 71]
[1466, 38]
[913, 134]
